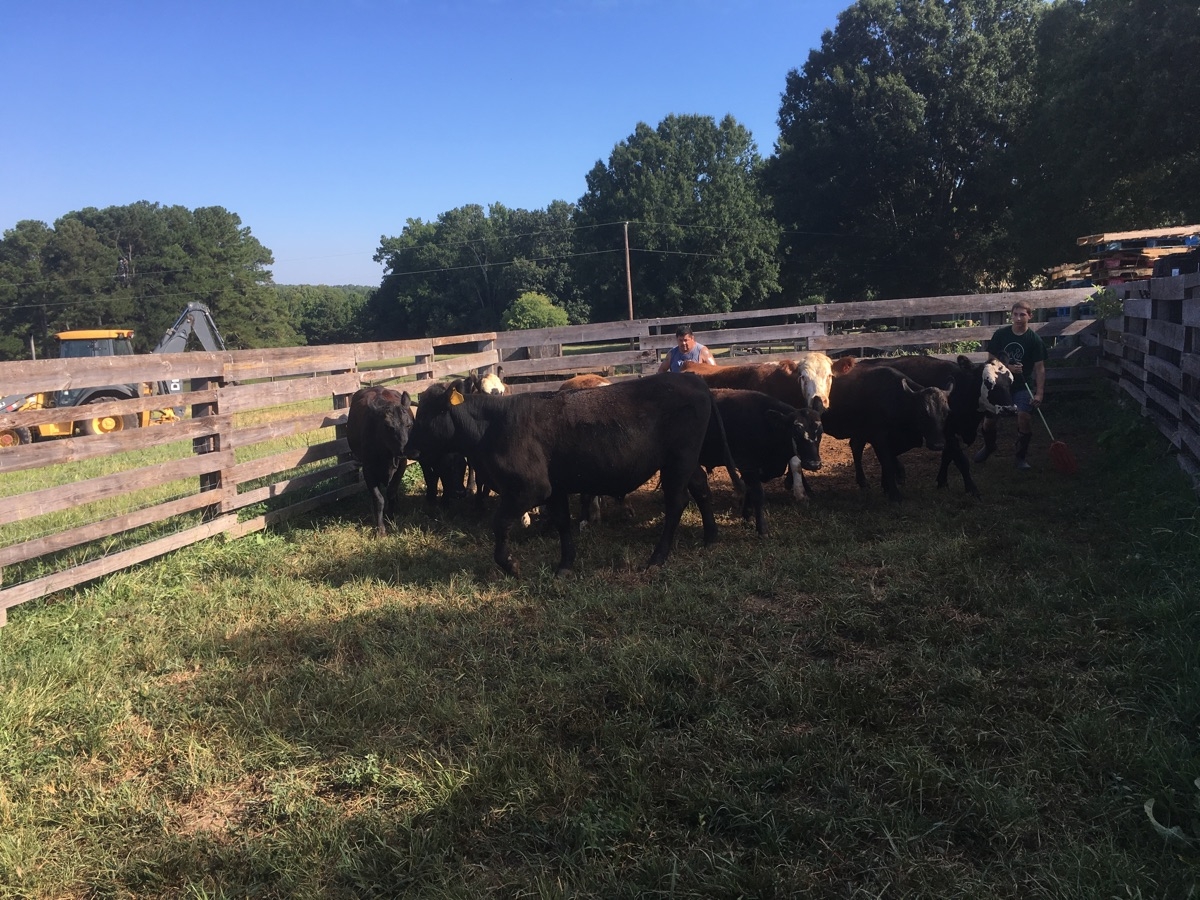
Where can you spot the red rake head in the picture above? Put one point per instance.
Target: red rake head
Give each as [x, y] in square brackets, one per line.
[1063, 460]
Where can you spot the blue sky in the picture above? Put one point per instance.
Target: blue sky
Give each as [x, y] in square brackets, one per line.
[325, 126]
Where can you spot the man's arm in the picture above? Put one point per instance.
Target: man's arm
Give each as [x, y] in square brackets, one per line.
[707, 357]
[1039, 376]
[665, 365]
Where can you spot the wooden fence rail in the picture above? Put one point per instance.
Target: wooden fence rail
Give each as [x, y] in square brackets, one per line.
[263, 436]
[1153, 351]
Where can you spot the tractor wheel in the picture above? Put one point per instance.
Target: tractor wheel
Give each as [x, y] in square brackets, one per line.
[106, 424]
[13, 437]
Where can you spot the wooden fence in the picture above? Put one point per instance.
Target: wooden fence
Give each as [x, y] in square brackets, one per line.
[1153, 350]
[262, 439]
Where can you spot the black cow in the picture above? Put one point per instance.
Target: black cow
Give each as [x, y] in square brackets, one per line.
[980, 389]
[883, 407]
[767, 438]
[536, 450]
[378, 427]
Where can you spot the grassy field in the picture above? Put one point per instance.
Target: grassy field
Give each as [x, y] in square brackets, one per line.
[942, 698]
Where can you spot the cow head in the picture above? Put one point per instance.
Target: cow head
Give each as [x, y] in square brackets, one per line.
[804, 428]
[995, 385]
[932, 409]
[815, 372]
[398, 422]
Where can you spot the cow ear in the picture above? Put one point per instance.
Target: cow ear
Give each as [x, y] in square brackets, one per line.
[405, 400]
[907, 385]
[950, 385]
[965, 363]
[456, 397]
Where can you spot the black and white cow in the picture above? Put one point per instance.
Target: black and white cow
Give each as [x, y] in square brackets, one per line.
[980, 389]
[378, 428]
[883, 407]
[538, 450]
[768, 438]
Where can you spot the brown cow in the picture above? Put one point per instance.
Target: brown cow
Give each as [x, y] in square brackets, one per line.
[803, 382]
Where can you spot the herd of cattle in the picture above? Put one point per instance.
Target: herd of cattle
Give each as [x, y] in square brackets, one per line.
[599, 439]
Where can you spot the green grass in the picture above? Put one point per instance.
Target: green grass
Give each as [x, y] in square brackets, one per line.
[944, 698]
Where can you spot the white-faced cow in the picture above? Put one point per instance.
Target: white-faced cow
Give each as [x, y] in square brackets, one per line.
[768, 438]
[980, 389]
[804, 382]
[536, 450]
[378, 427]
[883, 407]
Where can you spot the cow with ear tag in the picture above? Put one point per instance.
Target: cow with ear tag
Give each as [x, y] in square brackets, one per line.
[541, 449]
[378, 427]
[979, 390]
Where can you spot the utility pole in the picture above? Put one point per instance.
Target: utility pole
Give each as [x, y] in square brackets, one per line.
[628, 273]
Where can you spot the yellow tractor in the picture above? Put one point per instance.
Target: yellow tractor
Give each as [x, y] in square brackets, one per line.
[195, 320]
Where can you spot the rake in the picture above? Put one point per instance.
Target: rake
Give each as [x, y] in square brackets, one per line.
[1060, 453]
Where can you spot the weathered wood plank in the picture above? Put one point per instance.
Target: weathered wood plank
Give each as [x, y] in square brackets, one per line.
[290, 485]
[1138, 308]
[71, 450]
[1166, 333]
[246, 397]
[248, 365]
[285, 461]
[34, 417]
[463, 365]
[391, 351]
[889, 339]
[726, 337]
[249, 435]
[1136, 342]
[64, 540]
[1163, 370]
[582, 362]
[947, 306]
[241, 529]
[90, 571]
[36, 503]
[1167, 402]
[570, 334]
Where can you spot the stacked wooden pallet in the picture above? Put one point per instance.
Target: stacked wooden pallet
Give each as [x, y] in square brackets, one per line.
[1121, 256]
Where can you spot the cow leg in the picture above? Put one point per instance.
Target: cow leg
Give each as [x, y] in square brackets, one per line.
[856, 447]
[888, 463]
[378, 504]
[559, 506]
[506, 516]
[395, 484]
[754, 502]
[675, 494]
[952, 452]
[698, 488]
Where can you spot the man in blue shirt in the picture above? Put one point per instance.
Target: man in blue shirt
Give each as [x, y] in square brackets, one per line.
[686, 350]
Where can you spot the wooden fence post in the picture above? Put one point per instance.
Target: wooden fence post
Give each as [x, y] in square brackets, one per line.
[209, 481]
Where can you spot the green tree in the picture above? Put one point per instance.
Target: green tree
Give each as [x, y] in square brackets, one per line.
[461, 272]
[700, 231]
[327, 314]
[532, 310]
[893, 174]
[137, 266]
[1114, 142]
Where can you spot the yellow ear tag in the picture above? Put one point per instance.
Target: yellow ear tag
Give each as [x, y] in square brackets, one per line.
[456, 398]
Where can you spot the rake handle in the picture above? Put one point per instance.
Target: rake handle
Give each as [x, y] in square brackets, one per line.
[1040, 416]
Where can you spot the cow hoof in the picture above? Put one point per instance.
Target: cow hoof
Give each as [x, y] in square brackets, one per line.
[563, 572]
[511, 568]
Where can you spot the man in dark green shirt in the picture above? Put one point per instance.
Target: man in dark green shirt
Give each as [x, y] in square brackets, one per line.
[1019, 348]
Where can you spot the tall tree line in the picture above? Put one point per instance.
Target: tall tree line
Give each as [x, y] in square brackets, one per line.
[926, 147]
[136, 266]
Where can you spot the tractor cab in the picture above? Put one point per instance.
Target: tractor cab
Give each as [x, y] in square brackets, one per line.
[95, 342]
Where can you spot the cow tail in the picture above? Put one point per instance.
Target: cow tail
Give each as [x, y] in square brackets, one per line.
[739, 486]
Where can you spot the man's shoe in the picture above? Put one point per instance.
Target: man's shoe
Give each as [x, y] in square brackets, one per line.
[982, 454]
[1023, 466]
